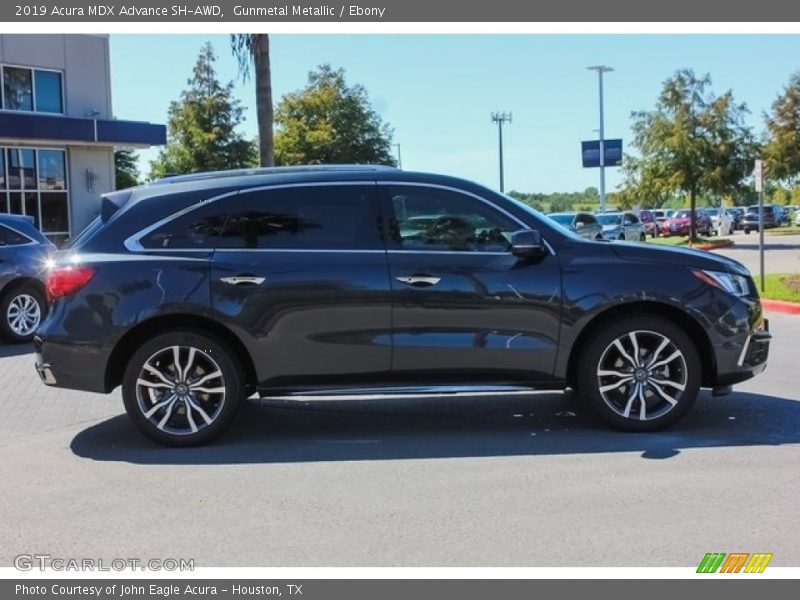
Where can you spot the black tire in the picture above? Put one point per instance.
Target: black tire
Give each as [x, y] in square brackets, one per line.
[21, 331]
[643, 238]
[210, 355]
[685, 370]
[747, 231]
[621, 238]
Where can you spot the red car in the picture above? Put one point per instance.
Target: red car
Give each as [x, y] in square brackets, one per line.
[680, 223]
[651, 226]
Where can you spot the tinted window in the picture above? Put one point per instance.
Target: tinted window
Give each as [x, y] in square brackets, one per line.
[609, 219]
[9, 237]
[48, 91]
[194, 230]
[631, 219]
[323, 217]
[437, 219]
[586, 219]
[17, 89]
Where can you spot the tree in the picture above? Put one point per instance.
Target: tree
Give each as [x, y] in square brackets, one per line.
[202, 126]
[782, 147]
[253, 50]
[330, 122]
[126, 169]
[692, 142]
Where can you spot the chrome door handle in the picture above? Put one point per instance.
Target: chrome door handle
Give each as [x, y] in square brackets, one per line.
[243, 280]
[419, 280]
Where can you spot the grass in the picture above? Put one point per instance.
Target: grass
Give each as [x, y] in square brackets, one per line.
[675, 240]
[780, 286]
[791, 230]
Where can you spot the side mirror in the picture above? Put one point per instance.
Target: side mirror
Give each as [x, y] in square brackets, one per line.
[527, 243]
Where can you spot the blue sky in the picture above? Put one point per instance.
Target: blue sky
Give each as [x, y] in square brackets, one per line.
[438, 91]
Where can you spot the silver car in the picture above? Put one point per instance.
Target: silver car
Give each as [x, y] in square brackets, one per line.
[24, 252]
[622, 226]
[582, 223]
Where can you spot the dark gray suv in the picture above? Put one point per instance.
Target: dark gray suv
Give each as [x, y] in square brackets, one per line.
[24, 253]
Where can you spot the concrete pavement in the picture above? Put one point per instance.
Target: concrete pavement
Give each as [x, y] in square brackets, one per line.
[529, 481]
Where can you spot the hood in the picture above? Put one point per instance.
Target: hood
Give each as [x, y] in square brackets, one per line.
[698, 259]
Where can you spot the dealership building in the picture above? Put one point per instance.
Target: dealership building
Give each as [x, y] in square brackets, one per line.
[58, 132]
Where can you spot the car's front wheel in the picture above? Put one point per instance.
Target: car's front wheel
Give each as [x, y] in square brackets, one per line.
[22, 310]
[183, 388]
[640, 373]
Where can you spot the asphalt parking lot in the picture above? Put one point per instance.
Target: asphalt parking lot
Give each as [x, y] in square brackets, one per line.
[523, 481]
[782, 252]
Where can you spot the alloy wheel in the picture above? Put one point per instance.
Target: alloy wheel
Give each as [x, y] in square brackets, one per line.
[180, 390]
[24, 314]
[642, 375]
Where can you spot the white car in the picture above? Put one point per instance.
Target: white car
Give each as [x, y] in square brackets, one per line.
[721, 221]
[797, 218]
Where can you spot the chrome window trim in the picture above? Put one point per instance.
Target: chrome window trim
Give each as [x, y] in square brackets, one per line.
[133, 242]
[307, 250]
[491, 205]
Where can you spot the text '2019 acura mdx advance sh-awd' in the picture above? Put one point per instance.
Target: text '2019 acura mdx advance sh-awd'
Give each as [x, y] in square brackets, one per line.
[197, 291]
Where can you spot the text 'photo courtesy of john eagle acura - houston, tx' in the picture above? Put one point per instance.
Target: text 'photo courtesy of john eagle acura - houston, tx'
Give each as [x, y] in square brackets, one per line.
[195, 292]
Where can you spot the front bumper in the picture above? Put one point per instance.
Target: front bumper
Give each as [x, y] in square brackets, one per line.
[751, 360]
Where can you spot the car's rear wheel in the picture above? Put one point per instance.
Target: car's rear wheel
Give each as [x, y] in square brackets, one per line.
[22, 310]
[643, 238]
[183, 388]
[640, 373]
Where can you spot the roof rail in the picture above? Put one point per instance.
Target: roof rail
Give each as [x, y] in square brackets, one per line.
[269, 171]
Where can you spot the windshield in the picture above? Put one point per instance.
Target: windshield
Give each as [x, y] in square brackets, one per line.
[610, 219]
[565, 219]
[712, 212]
[682, 214]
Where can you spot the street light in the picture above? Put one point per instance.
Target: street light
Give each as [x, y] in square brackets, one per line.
[399, 158]
[600, 70]
[500, 118]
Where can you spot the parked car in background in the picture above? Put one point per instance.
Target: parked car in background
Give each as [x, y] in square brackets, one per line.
[195, 292]
[24, 254]
[721, 221]
[648, 219]
[622, 226]
[751, 222]
[797, 218]
[680, 223]
[583, 223]
[737, 212]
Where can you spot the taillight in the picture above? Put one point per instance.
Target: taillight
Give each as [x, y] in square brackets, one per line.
[63, 281]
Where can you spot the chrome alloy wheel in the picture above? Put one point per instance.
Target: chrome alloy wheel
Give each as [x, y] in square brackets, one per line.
[24, 314]
[642, 375]
[180, 390]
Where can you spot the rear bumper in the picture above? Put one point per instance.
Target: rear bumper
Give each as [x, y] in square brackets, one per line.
[64, 366]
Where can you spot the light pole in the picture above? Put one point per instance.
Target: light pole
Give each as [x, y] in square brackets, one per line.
[399, 158]
[500, 118]
[600, 70]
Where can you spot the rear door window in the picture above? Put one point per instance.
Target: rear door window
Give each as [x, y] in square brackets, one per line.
[311, 217]
[194, 229]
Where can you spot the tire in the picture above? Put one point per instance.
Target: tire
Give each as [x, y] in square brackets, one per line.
[163, 403]
[602, 355]
[643, 238]
[621, 238]
[22, 310]
[746, 231]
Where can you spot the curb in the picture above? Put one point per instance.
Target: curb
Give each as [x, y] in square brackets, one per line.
[781, 306]
[724, 244]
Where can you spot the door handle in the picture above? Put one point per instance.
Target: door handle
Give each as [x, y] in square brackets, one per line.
[419, 280]
[243, 280]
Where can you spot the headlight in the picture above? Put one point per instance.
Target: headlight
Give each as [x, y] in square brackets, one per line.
[734, 284]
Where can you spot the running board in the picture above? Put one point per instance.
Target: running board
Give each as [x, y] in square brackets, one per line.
[387, 393]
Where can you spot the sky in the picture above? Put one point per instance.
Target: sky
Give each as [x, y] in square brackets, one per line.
[438, 91]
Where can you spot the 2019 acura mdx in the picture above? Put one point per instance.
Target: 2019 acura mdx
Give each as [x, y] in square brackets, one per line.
[194, 292]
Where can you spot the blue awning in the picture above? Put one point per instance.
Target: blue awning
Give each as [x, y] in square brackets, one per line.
[36, 126]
